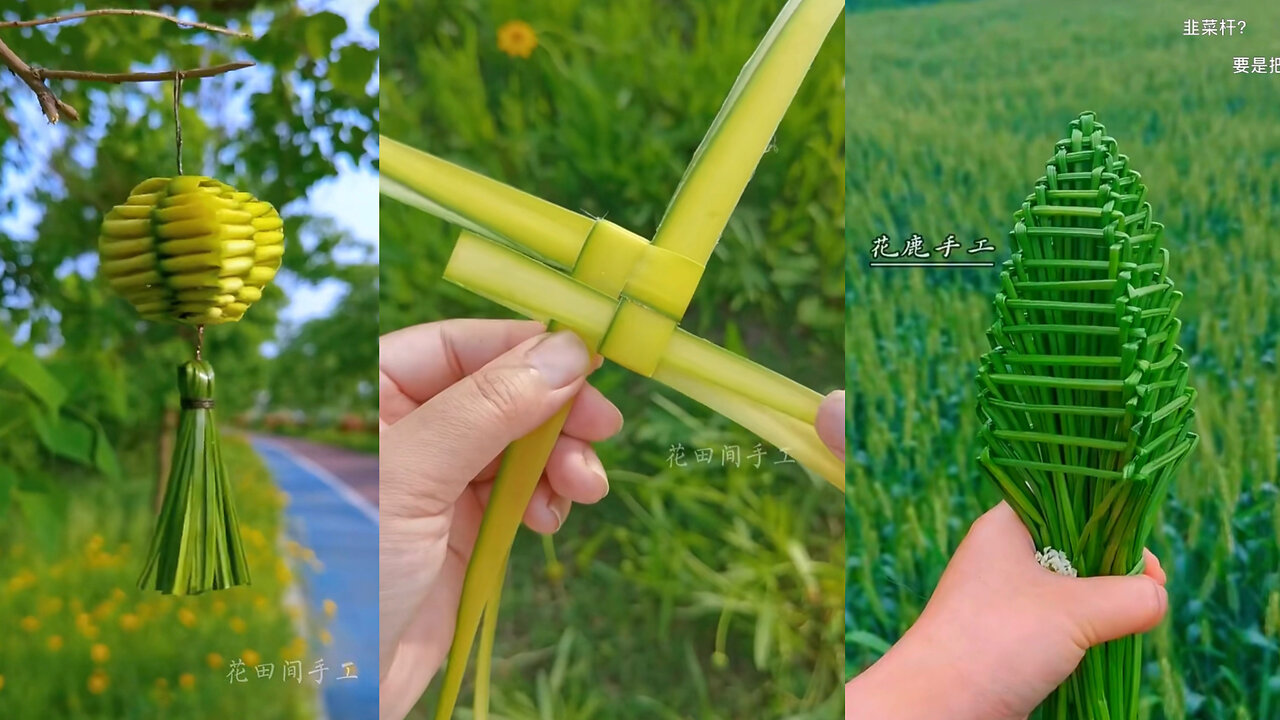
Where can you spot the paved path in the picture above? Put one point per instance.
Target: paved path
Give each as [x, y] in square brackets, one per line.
[341, 525]
[359, 470]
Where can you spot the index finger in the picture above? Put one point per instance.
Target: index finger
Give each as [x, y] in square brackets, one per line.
[418, 362]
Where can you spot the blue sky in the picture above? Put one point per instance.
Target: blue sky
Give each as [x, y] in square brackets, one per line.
[350, 198]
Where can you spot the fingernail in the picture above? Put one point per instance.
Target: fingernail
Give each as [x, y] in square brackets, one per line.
[557, 511]
[592, 461]
[560, 358]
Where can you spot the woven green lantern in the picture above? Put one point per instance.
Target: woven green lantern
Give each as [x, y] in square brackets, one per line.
[194, 251]
[1083, 399]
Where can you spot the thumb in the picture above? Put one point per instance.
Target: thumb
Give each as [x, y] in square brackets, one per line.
[1108, 608]
[430, 455]
[830, 422]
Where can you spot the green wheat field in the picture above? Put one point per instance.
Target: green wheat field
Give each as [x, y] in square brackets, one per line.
[947, 134]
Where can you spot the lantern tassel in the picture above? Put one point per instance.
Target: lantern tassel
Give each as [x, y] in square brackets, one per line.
[196, 545]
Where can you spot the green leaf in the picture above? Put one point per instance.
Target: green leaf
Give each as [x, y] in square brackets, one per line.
[6, 347]
[321, 30]
[44, 515]
[764, 636]
[65, 437]
[8, 480]
[353, 69]
[104, 456]
[867, 640]
[26, 369]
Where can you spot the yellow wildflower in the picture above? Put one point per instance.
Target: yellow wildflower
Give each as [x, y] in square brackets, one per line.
[98, 682]
[517, 39]
[330, 608]
[250, 658]
[186, 617]
[54, 642]
[237, 625]
[213, 660]
[100, 653]
[294, 650]
[50, 605]
[30, 624]
[187, 681]
[129, 621]
[325, 638]
[1, 682]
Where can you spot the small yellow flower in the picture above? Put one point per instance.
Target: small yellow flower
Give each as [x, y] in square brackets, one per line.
[219, 607]
[186, 617]
[162, 683]
[104, 609]
[330, 608]
[54, 642]
[250, 658]
[98, 682]
[117, 594]
[294, 650]
[1, 682]
[187, 681]
[237, 625]
[130, 622]
[95, 543]
[100, 653]
[30, 624]
[50, 605]
[326, 638]
[517, 39]
[260, 602]
[213, 660]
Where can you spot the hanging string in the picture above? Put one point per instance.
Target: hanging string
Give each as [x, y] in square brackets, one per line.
[177, 147]
[177, 117]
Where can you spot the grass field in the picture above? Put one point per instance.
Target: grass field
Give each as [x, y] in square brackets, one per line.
[708, 590]
[83, 643]
[952, 112]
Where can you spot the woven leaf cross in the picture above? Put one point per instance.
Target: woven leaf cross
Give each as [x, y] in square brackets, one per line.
[622, 294]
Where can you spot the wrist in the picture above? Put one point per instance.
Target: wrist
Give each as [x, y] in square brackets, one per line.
[922, 677]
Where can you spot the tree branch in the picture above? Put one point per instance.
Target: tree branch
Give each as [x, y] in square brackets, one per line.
[139, 77]
[111, 11]
[49, 103]
[54, 108]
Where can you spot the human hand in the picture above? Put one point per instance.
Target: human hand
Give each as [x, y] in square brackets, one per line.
[1001, 632]
[452, 396]
[830, 422]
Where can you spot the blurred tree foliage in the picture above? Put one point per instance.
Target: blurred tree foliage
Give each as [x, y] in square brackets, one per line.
[277, 129]
[726, 582]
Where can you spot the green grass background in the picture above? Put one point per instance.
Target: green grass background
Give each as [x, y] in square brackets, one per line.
[603, 118]
[81, 641]
[952, 112]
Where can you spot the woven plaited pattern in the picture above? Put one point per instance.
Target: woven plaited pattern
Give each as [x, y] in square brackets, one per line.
[191, 249]
[629, 270]
[1085, 379]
